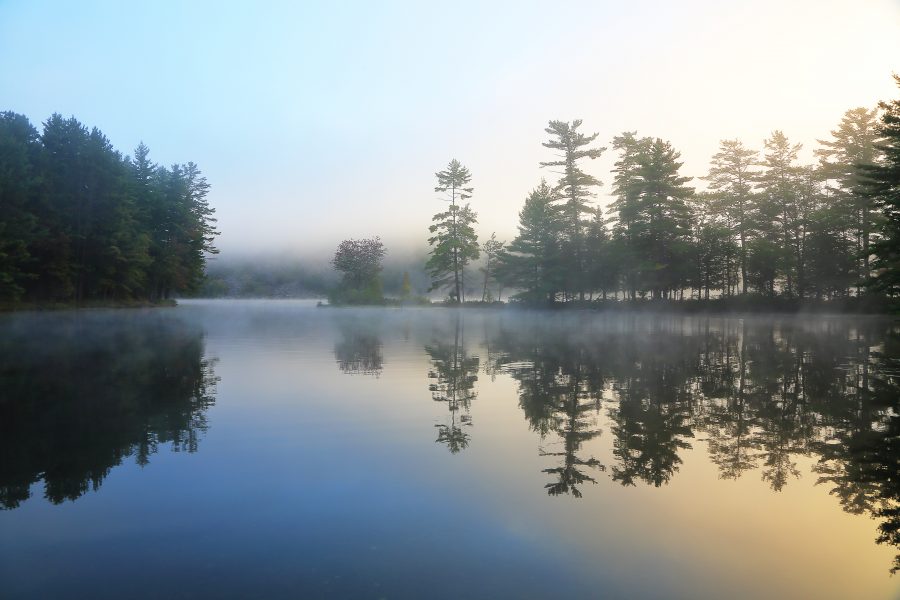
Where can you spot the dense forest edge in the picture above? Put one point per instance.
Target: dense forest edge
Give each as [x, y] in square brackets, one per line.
[767, 233]
[83, 225]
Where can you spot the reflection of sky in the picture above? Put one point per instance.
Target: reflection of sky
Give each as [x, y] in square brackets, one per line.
[309, 477]
[293, 109]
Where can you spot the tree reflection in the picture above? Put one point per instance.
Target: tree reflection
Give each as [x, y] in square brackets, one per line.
[652, 418]
[560, 391]
[453, 373]
[359, 351]
[859, 453]
[761, 395]
[86, 393]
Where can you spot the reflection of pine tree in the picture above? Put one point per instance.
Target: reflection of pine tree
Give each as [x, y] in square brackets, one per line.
[785, 426]
[574, 428]
[860, 453]
[655, 380]
[648, 435]
[115, 390]
[728, 420]
[762, 393]
[560, 385]
[454, 374]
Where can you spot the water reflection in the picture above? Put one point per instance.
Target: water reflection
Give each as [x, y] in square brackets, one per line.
[760, 394]
[559, 391]
[79, 395]
[359, 349]
[453, 374]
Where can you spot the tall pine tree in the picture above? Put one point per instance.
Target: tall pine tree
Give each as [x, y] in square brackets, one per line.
[454, 242]
[576, 190]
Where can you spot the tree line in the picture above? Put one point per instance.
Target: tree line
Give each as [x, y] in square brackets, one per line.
[766, 224]
[80, 222]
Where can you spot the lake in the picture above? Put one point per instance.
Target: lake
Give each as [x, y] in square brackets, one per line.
[274, 449]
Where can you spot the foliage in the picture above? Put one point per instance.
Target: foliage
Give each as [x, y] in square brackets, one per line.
[360, 263]
[652, 214]
[491, 250]
[532, 261]
[883, 187]
[454, 242]
[80, 223]
[575, 189]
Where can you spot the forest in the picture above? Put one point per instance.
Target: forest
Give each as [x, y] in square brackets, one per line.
[80, 223]
[766, 226]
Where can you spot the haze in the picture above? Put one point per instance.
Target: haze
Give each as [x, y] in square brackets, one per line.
[316, 123]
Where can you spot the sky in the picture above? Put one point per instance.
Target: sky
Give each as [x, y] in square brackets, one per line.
[315, 122]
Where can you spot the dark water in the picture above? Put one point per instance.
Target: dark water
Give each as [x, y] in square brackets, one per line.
[272, 449]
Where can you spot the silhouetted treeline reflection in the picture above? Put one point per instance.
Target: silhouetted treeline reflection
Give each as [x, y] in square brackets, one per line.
[81, 393]
[760, 394]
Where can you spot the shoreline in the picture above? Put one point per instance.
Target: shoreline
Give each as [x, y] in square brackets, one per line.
[88, 305]
[735, 306]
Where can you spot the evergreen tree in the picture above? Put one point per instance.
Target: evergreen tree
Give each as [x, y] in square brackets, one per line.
[731, 174]
[627, 187]
[78, 222]
[602, 268]
[653, 215]
[454, 241]
[575, 189]
[883, 187]
[19, 190]
[777, 206]
[532, 261]
[851, 149]
[491, 250]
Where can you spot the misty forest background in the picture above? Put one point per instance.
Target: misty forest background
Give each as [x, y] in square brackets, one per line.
[80, 223]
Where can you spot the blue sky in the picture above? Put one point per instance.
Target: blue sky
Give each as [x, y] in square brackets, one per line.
[319, 121]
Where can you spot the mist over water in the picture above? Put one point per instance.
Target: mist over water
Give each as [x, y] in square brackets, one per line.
[273, 448]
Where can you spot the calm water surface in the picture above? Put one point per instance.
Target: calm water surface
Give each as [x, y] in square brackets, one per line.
[273, 449]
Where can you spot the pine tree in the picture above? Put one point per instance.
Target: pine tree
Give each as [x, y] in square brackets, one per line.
[532, 261]
[491, 250]
[19, 192]
[653, 215]
[627, 187]
[777, 206]
[731, 174]
[851, 149]
[454, 242]
[603, 269]
[575, 189]
[78, 222]
[883, 187]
